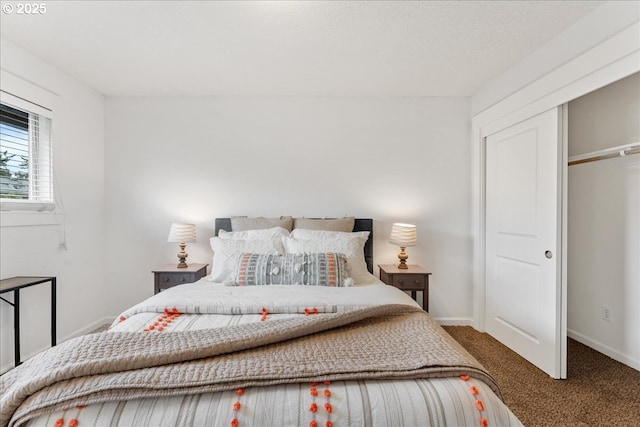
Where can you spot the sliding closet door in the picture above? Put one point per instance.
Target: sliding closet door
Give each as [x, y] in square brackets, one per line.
[524, 306]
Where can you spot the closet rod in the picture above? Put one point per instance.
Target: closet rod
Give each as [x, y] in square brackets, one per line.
[609, 153]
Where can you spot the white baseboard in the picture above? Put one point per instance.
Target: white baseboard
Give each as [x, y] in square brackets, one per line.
[604, 349]
[82, 331]
[454, 321]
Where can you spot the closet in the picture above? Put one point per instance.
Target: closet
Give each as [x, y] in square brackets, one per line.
[603, 263]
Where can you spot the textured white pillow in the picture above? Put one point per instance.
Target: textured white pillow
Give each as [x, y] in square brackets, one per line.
[309, 234]
[349, 244]
[227, 252]
[264, 234]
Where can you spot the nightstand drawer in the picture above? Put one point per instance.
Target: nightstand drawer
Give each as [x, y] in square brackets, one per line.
[170, 275]
[167, 280]
[409, 281]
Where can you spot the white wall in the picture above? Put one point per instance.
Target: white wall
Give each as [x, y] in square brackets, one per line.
[604, 231]
[195, 159]
[78, 152]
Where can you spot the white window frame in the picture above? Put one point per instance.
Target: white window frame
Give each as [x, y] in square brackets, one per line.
[30, 97]
[47, 175]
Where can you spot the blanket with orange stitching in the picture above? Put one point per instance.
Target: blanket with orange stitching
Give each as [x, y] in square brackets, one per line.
[380, 342]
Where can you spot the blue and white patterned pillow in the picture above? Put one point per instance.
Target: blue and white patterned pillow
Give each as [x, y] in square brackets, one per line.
[312, 269]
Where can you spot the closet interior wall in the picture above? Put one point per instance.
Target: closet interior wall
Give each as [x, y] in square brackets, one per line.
[603, 264]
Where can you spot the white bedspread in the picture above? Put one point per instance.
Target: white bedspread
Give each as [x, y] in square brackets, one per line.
[205, 297]
[202, 305]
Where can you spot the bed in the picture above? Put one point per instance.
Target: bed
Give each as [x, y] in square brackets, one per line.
[290, 329]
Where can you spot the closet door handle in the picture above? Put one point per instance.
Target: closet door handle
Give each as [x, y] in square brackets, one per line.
[548, 254]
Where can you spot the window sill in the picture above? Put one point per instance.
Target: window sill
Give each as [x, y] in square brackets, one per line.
[26, 206]
[15, 218]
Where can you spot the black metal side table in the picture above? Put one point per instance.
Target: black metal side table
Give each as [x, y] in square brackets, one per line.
[15, 284]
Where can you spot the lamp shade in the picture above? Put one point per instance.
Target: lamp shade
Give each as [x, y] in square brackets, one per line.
[403, 234]
[182, 233]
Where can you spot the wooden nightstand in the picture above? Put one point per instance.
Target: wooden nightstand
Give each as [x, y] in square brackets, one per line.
[170, 275]
[413, 279]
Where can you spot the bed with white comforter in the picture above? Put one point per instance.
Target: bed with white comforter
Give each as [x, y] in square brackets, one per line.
[359, 353]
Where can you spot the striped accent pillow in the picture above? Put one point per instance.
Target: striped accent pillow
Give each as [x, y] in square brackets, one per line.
[313, 269]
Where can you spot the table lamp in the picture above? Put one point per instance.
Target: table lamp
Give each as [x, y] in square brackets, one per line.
[403, 235]
[182, 234]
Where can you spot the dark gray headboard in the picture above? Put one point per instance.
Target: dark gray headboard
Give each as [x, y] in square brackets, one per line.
[361, 224]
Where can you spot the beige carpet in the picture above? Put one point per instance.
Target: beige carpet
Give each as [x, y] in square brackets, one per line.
[598, 391]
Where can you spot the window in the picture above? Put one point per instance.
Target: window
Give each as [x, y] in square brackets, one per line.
[26, 177]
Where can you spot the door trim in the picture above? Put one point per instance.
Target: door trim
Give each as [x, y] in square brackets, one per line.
[611, 60]
[563, 220]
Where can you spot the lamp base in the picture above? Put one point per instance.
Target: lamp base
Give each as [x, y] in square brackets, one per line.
[182, 256]
[403, 257]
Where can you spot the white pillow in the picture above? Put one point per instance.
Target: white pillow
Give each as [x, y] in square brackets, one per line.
[349, 244]
[309, 234]
[227, 252]
[263, 234]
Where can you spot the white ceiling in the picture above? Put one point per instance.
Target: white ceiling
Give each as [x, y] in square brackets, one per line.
[289, 48]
